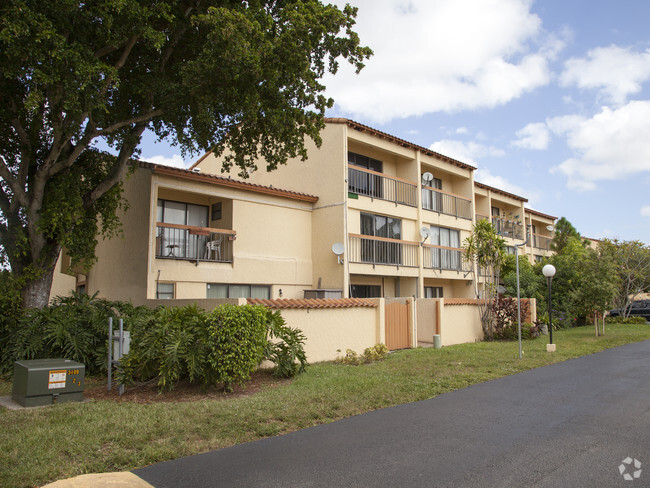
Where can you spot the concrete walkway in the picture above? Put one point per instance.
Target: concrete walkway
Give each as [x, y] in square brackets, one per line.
[569, 424]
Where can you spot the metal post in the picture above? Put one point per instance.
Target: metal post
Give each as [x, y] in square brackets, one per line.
[518, 297]
[110, 351]
[550, 311]
[120, 352]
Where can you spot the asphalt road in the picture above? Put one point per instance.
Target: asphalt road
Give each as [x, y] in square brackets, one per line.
[566, 425]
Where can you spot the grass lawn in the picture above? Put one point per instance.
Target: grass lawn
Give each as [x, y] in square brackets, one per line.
[42, 445]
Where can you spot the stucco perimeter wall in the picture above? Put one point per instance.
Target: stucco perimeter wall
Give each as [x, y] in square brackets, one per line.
[460, 322]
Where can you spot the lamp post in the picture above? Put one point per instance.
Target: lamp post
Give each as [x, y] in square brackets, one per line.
[549, 272]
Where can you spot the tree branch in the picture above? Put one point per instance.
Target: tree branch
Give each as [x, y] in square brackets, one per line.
[135, 120]
[118, 170]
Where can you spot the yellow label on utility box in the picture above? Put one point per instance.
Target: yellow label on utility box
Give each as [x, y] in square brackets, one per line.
[56, 379]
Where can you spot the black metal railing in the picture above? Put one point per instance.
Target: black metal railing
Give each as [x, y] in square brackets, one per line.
[194, 243]
[508, 228]
[364, 182]
[445, 203]
[542, 242]
[378, 250]
[440, 257]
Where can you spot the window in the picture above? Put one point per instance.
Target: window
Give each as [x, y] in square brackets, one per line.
[165, 291]
[433, 292]
[222, 290]
[179, 243]
[445, 258]
[432, 200]
[496, 220]
[510, 250]
[376, 251]
[365, 291]
[364, 183]
[539, 259]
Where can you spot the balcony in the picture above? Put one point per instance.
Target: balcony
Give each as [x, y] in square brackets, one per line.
[481, 217]
[542, 242]
[377, 185]
[447, 258]
[446, 203]
[508, 228]
[382, 250]
[191, 243]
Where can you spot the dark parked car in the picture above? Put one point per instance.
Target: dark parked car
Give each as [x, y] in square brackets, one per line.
[640, 308]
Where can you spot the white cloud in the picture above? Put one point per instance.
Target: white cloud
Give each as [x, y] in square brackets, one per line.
[176, 161]
[614, 71]
[613, 144]
[461, 130]
[484, 176]
[466, 152]
[444, 55]
[533, 136]
[645, 211]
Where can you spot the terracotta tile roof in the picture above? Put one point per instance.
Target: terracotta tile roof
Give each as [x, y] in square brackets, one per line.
[540, 214]
[223, 181]
[397, 140]
[280, 303]
[461, 301]
[501, 192]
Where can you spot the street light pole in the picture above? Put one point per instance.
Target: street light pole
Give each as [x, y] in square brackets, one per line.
[549, 272]
[517, 246]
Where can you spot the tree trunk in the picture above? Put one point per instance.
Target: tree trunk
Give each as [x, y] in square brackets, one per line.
[36, 293]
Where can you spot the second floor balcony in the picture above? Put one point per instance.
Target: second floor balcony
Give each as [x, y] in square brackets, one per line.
[381, 250]
[377, 185]
[186, 242]
[445, 258]
[446, 203]
[542, 242]
[508, 228]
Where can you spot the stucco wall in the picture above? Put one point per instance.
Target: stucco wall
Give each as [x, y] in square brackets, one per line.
[460, 324]
[62, 284]
[330, 329]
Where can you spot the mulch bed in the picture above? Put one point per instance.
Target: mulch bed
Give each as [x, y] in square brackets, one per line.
[184, 391]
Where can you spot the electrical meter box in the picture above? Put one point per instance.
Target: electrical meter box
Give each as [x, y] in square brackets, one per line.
[40, 382]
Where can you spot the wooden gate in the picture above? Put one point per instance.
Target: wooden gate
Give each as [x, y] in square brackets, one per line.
[398, 332]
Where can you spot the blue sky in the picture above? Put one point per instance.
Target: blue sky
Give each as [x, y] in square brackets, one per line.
[548, 99]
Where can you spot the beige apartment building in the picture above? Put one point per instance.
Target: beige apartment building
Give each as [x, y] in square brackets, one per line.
[367, 215]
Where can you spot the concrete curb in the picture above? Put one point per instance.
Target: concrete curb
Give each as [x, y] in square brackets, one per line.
[102, 480]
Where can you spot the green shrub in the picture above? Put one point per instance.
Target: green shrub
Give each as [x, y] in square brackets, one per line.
[237, 341]
[287, 351]
[74, 327]
[370, 355]
[506, 320]
[10, 314]
[625, 320]
[170, 343]
[375, 353]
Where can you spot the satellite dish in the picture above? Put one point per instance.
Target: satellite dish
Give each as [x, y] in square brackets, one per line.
[425, 232]
[550, 228]
[427, 178]
[338, 248]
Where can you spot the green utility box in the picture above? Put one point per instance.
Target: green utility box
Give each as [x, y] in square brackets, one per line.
[46, 381]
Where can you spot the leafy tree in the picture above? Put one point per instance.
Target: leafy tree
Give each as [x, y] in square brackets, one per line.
[632, 262]
[532, 283]
[239, 78]
[566, 281]
[564, 230]
[488, 250]
[599, 284]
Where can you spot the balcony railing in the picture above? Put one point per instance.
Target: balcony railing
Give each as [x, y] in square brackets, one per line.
[508, 228]
[542, 242]
[377, 185]
[442, 257]
[446, 203]
[381, 250]
[188, 242]
[481, 217]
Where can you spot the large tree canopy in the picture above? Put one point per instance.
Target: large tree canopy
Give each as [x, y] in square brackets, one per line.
[241, 76]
